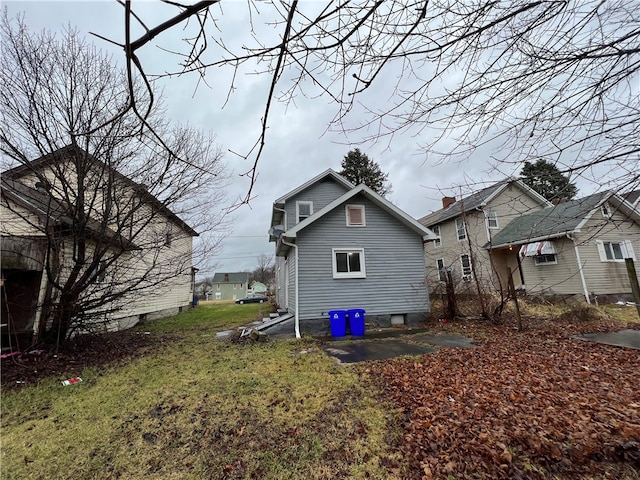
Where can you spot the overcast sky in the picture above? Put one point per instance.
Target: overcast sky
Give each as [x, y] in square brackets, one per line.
[298, 144]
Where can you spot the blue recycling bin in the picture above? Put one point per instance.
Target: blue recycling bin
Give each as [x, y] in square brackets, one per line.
[356, 321]
[338, 322]
[195, 301]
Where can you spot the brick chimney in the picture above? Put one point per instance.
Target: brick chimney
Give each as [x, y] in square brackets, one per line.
[446, 201]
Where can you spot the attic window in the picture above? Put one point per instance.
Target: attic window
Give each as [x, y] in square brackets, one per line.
[304, 210]
[606, 210]
[168, 234]
[492, 219]
[355, 216]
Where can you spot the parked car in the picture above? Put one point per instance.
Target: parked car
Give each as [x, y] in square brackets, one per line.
[252, 299]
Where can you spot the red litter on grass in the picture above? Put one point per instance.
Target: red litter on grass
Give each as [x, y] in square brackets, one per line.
[71, 381]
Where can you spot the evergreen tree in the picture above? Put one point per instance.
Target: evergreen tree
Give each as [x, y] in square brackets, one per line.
[358, 168]
[546, 179]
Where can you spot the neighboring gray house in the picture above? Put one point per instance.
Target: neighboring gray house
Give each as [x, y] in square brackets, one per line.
[342, 247]
[576, 248]
[230, 286]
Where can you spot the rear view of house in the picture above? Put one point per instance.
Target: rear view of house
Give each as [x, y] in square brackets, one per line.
[575, 249]
[344, 247]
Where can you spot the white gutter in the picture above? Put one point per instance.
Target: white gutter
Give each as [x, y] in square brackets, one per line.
[297, 317]
[584, 281]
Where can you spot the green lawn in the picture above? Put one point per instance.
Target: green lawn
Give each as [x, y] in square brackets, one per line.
[202, 408]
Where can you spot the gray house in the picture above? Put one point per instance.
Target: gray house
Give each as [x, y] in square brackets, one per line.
[342, 247]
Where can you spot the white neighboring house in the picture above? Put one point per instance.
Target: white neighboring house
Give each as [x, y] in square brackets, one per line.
[139, 269]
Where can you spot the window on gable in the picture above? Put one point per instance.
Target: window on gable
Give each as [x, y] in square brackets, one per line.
[465, 261]
[348, 263]
[545, 259]
[355, 215]
[492, 218]
[461, 229]
[438, 241]
[303, 210]
[442, 271]
[606, 210]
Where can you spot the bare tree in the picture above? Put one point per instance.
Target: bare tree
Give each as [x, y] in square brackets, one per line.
[118, 200]
[551, 79]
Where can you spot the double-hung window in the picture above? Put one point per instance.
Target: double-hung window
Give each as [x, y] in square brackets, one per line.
[461, 229]
[615, 251]
[348, 263]
[304, 210]
[355, 216]
[492, 219]
[442, 272]
[465, 262]
[437, 242]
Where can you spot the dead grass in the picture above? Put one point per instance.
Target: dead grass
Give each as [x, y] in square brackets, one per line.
[201, 408]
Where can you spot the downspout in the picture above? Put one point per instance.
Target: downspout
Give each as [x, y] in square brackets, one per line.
[296, 316]
[584, 281]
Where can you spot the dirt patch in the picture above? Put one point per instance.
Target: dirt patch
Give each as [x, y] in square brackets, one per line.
[70, 359]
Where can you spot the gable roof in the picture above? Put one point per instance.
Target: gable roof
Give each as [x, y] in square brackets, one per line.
[234, 277]
[378, 200]
[73, 150]
[327, 173]
[478, 199]
[53, 212]
[556, 221]
[633, 197]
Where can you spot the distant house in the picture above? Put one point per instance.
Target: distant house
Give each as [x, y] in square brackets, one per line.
[577, 248]
[342, 247]
[138, 276]
[463, 226]
[258, 288]
[230, 286]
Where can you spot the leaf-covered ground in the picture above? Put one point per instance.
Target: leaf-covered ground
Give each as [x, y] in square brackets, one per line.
[535, 404]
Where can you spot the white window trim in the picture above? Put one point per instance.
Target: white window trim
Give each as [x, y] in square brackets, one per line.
[361, 274]
[625, 245]
[605, 209]
[464, 229]
[442, 270]
[303, 202]
[494, 217]
[467, 277]
[542, 264]
[437, 242]
[355, 207]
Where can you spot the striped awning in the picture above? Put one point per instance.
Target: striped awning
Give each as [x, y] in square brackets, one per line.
[537, 248]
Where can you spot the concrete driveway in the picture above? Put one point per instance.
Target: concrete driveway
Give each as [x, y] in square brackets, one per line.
[353, 351]
[623, 338]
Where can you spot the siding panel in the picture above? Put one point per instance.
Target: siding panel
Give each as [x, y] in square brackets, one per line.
[394, 262]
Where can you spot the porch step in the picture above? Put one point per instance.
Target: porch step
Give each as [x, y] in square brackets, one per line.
[274, 321]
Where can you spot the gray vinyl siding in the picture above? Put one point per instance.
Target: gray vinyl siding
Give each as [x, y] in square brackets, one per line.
[281, 283]
[394, 264]
[291, 283]
[321, 194]
[607, 277]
